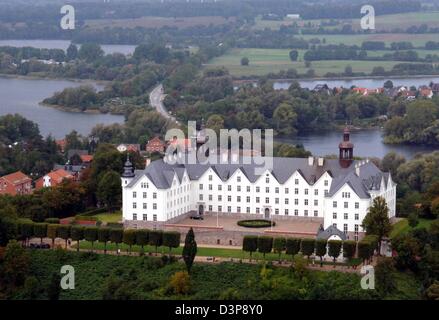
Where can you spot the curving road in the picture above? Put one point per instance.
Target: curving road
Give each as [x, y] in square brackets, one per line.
[156, 98]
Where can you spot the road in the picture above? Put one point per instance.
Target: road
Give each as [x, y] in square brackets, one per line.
[156, 98]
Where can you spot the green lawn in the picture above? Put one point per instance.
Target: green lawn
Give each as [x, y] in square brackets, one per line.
[264, 61]
[402, 226]
[109, 217]
[201, 251]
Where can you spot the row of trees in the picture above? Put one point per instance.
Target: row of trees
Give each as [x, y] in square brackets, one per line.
[24, 230]
[309, 247]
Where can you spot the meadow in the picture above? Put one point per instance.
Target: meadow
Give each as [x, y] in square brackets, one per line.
[264, 61]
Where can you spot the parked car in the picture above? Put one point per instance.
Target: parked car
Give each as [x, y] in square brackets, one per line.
[39, 246]
[197, 217]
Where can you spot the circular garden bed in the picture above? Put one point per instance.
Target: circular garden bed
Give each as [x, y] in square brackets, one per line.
[257, 223]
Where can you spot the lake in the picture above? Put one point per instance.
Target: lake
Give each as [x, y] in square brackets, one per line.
[64, 44]
[23, 96]
[368, 143]
[364, 83]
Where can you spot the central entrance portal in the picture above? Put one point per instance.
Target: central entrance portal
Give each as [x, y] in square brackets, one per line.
[200, 210]
[267, 213]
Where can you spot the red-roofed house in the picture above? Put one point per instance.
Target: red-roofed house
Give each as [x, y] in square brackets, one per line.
[53, 179]
[155, 145]
[15, 184]
[61, 144]
[426, 93]
[86, 158]
[128, 147]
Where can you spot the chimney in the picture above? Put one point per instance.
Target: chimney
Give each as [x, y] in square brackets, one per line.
[147, 162]
[321, 161]
[357, 169]
[310, 161]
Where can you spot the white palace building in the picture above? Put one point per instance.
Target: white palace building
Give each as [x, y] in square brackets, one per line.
[337, 192]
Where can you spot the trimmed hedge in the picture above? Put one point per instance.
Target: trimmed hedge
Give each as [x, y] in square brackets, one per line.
[256, 223]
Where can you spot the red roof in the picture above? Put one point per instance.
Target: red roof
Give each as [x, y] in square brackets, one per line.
[17, 178]
[56, 177]
[86, 158]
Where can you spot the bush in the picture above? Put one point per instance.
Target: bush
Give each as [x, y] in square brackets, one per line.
[52, 220]
[307, 247]
[349, 247]
[250, 244]
[257, 223]
[171, 239]
[265, 244]
[180, 282]
[292, 246]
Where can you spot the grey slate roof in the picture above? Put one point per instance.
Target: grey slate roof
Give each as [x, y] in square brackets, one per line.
[161, 173]
[330, 231]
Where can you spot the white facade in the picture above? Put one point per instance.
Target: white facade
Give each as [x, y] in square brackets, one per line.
[296, 197]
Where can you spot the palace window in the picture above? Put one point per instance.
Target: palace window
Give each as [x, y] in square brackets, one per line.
[296, 191]
[248, 210]
[144, 205]
[276, 200]
[229, 209]
[286, 212]
[210, 187]
[248, 199]
[267, 190]
[316, 202]
[296, 212]
[154, 206]
[248, 188]
[276, 190]
[296, 181]
[210, 177]
[306, 202]
[316, 213]
[220, 198]
[346, 205]
[334, 215]
[201, 186]
[200, 197]
[287, 190]
[258, 210]
[345, 228]
[306, 191]
[316, 192]
[334, 204]
[220, 208]
[267, 200]
[220, 187]
[210, 208]
[267, 180]
[154, 217]
[306, 213]
[357, 216]
[145, 217]
[229, 198]
[210, 197]
[357, 205]
[134, 205]
[134, 216]
[325, 183]
[238, 198]
[276, 211]
[258, 189]
[238, 188]
[144, 195]
[238, 209]
[229, 188]
[238, 178]
[134, 194]
[286, 201]
[346, 216]
[257, 199]
[296, 201]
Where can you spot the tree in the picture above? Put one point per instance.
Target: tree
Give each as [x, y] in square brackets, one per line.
[321, 249]
[391, 162]
[307, 248]
[77, 234]
[15, 266]
[180, 282]
[366, 248]
[72, 52]
[388, 84]
[245, 61]
[142, 238]
[109, 189]
[334, 249]
[63, 232]
[8, 230]
[265, 245]
[52, 233]
[279, 245]
[90, 52]
[299, 264]
[348, 71]
[116, 236]
[189, 250]
[385, 275]
[91, 234]
[294, 54]
[104, 237]
[54, 288]
[285, 119]
[377, 220]
[26, 230]
[31, 288]
[292, 246]
[250, 244]
[432, 292]
[40, 230]
[129, 238]
[413, 219]
[171, 239]
[155, 238]
[349, 247]
[216, 123]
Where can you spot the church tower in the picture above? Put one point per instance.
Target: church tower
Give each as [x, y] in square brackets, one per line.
[128, 172]
[346, 148]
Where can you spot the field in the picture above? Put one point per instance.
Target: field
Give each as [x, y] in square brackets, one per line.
[264, 61]
[125, 277]
[384, 22]
[157, 22]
